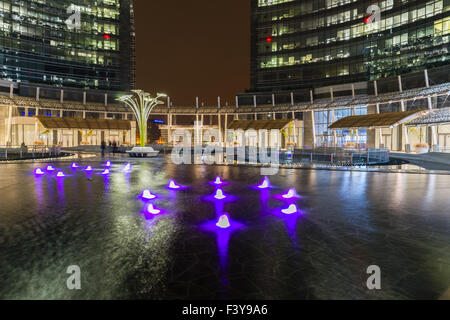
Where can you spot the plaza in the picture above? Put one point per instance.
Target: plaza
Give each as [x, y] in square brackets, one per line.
[139, 161]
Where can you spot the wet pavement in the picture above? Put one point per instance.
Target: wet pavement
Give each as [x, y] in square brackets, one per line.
[347, 222]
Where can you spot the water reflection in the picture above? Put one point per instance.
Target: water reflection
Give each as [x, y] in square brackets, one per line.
[345, 222]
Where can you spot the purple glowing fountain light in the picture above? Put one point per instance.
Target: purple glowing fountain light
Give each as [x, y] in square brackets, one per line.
[75, 166]
[220, 195]
[39, 172]
[108, 164]
[218, 181]
[291, 210]
[127, 168]
[173, 185]
[223, 222]
[60, 174]
[106, 172]
[88, 169]
[147, 195]
[50, 168]
[265, 184]
[292, 193]
[152, 210]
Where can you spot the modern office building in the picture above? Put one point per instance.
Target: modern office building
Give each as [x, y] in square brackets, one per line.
[61, 72]
[314, 43]
[38, 46]
[334, 59]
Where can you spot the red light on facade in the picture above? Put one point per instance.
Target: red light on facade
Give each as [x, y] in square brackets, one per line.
[106, 36]
[269, 39]
[367, 19]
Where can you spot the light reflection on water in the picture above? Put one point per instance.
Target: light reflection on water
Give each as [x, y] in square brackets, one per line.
[348, 220]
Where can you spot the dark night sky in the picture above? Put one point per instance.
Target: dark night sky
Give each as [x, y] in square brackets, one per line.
[190, 48]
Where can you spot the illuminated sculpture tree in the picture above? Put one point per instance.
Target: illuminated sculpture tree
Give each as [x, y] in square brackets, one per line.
[142, 104]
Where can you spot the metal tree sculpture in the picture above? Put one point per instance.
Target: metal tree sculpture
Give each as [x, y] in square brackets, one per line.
[142, 104]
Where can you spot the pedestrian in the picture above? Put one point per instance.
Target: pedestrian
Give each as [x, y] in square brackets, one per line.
[103, 146]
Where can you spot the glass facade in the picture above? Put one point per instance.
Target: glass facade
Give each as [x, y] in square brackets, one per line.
[326, 138]
[37, 46]
[303, 44]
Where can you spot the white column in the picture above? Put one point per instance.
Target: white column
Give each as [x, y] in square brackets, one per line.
[225, 130]
[311, 96]
[333, 120]
[375, 87]
[220, 128]
[169, 128]
[405, 128]
[8, 127]
[237, 102]
[106, 99]
[292, 99]
[38, 91]
[36, 126]
[273, 99]
[332, 93]
[313, 128]
[353, 91]
[11, 90]
[202, 123]
[294, 127]
[430, 106]
[254, 101]
[380, 130]
[400, 85]
[84, 97]
[62, 96]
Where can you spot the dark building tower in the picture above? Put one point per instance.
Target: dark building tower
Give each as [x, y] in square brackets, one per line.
[37, 46]
[311, 43]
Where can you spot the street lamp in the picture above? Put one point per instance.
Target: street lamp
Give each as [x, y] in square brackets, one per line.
[142, 104]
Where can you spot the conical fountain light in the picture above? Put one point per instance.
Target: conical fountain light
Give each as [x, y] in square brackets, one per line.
[291, 210]
[292, 193]
[50, 168]
[151, 209]
[106, 172]
[218, 181]
[60, 174]
[88, 169]
[108, 164]
[127, 168]
[223, 222]
[146, 194]
[173, 185]
[39, 171]
[220, 195]
[75, 166]
[265, 184]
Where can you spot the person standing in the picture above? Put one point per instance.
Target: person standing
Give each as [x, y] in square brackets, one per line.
[103, 146]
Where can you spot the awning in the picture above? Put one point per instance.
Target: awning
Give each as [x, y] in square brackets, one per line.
[381, 120]
[258, 124]
[87, 124]
[434, 117]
